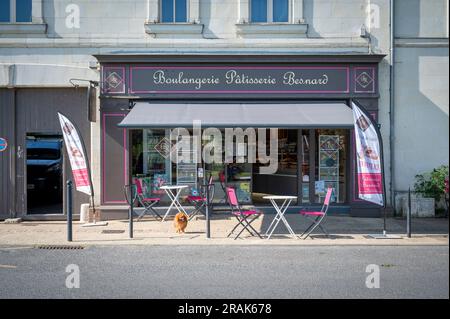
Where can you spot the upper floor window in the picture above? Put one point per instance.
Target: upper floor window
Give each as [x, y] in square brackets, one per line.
[173, 11]
[269, 10]
[15, 11]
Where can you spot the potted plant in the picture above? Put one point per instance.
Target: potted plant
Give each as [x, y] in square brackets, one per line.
[433, 185]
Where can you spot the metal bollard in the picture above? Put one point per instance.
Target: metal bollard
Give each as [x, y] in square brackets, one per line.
[130, 230]
[208, 221]
[69, 210]
[408, 216]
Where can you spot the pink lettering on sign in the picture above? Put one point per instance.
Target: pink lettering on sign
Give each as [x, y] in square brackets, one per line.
[370, 183]
[81, 177]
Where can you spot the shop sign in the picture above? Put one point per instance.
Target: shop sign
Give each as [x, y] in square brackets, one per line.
[330, 79]
[239, 80]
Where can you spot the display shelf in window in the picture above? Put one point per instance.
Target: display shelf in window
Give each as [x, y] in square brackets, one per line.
[329, 163]
[186, 165]
[156, 167]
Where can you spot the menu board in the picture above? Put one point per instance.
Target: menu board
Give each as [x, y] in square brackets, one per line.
[329, 163]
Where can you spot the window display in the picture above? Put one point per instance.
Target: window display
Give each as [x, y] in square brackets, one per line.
[149, 165]
[309, 161]
[331, 164]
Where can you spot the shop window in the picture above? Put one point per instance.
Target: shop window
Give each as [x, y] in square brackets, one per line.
[174, 11]
[331, 159]
[15, 11]
[269, 11]
[155, 164]
[285, 180]
[149, 164]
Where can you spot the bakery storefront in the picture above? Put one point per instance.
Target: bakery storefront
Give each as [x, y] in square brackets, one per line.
[292, 112]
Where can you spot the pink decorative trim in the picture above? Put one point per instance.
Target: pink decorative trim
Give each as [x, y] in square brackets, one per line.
[125, 156]
[131, 91]
[373, 79]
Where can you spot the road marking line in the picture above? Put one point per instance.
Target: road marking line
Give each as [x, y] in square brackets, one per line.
[15, 248]
[8, 266]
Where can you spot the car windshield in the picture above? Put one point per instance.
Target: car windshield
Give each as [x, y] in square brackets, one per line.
[43, 153]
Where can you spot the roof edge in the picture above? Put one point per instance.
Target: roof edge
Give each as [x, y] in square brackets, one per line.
[239, 58]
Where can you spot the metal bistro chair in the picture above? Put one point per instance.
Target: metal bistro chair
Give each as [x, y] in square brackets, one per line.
[317, 217]
[244, 217]
[199, 201]
[147, 203]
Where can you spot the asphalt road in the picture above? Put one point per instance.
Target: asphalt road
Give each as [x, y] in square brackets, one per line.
[225, 272]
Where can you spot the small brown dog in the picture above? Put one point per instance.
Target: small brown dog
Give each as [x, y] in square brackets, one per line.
[180, 222]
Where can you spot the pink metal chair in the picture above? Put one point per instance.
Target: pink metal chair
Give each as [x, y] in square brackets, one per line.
[199, 201]
[244, 217]
[317, 217]
[147, 202]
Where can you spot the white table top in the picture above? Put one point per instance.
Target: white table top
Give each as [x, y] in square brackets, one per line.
[173, 186]
[243, 178]
[279, 197]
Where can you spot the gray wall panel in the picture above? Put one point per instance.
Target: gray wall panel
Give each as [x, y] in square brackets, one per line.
[6, 159]
[114, 159]
[37, 113]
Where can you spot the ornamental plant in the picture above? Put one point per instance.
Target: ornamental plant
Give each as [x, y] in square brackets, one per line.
[432, 184]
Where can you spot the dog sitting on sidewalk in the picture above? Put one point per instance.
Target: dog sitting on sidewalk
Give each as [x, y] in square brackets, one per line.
[180, 222]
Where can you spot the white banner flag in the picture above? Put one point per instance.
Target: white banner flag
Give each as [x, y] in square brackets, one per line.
[368, 158]
[75, 150]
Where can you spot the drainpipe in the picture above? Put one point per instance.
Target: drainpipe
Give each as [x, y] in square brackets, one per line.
[391, 104]
[13, 149]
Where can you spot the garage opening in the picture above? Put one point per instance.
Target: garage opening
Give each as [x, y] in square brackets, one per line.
[44, 174]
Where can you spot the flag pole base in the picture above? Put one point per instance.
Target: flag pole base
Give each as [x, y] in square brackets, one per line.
[95, 224]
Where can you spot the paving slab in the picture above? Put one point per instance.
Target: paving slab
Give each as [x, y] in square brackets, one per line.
[344, 231]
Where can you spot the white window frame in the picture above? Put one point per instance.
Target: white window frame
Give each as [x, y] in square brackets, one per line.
[269, 17]
[174, 11]
[154, 9]
[295, 12]
[36, 12]
[22, 29]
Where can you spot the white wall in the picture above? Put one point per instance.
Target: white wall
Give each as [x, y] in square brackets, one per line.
[421, 108]
[421, 112]
[327, 18]
[421, 18]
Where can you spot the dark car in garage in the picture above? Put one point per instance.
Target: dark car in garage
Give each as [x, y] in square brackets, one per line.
[44, 168]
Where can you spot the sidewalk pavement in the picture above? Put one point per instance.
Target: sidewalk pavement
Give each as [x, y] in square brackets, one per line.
[344, 231]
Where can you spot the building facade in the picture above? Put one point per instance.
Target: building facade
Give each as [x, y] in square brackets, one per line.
[118, 68]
